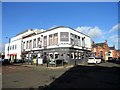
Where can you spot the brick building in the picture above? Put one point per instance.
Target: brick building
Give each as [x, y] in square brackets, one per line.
[100, 49]
[118, 53]
[113, 52]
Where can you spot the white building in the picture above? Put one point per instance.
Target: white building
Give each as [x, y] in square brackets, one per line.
[13, 48]
[56, 43]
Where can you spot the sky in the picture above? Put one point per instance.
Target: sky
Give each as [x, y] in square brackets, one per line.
[99, 20]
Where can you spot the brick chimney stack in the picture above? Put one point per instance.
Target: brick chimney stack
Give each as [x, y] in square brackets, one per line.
[93, 42]
[106, 41]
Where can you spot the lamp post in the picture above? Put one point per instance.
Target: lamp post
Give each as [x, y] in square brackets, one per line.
[8, 47]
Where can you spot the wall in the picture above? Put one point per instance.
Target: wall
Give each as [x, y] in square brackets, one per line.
[15, 51]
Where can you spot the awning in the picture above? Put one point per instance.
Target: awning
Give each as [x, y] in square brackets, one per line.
[11, 54]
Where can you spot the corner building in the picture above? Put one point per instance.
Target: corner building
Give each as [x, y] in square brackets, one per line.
[56, 43]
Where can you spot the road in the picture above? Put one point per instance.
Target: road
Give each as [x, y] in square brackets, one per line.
[105, 75]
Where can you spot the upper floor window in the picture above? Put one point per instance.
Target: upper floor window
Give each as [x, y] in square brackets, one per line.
[34, 43]
[79, 43]
[72, 39]
[50, 40]
[30, 44]
[45, 40]
[64, 36]
[8, 48]
[27, 45]
[15, 46]
[55, 39]
[83, 41]
[23, 45]
[39, 42]
[76, 40]
[101, 53]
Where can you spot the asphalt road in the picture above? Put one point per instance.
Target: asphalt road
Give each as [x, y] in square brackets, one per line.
[105, 75]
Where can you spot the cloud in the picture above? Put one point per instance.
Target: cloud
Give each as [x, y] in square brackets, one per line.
[2, 46]
[115, 28]
[114, 38]
[93, 32]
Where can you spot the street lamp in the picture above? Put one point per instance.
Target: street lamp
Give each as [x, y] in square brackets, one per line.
[8, 47]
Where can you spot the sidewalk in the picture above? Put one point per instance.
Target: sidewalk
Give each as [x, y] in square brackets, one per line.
[45, 66]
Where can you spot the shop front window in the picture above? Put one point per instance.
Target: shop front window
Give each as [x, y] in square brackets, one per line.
[56, 56]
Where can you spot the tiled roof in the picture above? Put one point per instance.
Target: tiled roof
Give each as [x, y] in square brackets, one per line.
[111, 48]
[98, 44]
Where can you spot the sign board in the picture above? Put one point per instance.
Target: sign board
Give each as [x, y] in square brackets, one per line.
[40, 61]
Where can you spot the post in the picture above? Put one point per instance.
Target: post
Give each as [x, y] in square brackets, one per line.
[8, 48]
[75, 62]
[47, 63]
[37, 61]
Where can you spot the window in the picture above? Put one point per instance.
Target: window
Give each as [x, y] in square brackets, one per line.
[79, 44]
[71, 56]
[50, 40]
[101, 53]
[30, 44]
[45, 40]
[13, 47]
[8, 48]
[55, 39]
[72, 39]
[64, 36]
[95, 53]
[51, 56]
[23, 45]
[34, 43]
[27, 45]
[56, 56]
[38, 42]
[75, 40]
[83, 41]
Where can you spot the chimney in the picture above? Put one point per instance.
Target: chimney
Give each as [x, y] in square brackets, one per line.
[93, 42]
[106, 41]
[114, 46]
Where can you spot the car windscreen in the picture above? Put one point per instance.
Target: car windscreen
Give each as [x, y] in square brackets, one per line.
[91, 58]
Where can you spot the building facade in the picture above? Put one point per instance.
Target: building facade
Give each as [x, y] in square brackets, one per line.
[118, 53]
[113, 52]
[100, 50]
[56, 43]
[13, 49]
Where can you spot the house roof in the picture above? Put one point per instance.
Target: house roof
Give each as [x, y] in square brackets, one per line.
[63, 27]
[118, 49]
[98, 44]
[111, 48]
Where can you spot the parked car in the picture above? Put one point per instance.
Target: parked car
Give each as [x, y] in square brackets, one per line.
[1, 60]
[94, 60]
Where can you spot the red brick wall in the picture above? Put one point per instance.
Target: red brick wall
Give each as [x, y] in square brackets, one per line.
[104, 49]
[114, 53]
[118, 53]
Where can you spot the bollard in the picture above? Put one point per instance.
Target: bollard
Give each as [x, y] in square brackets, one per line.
[75, 62]
[47, 63]
[37, 62]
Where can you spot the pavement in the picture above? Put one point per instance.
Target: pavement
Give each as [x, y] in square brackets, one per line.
[104, 75]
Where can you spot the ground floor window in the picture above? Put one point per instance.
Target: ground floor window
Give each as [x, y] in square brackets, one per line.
[51, 56]
[56, 56]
